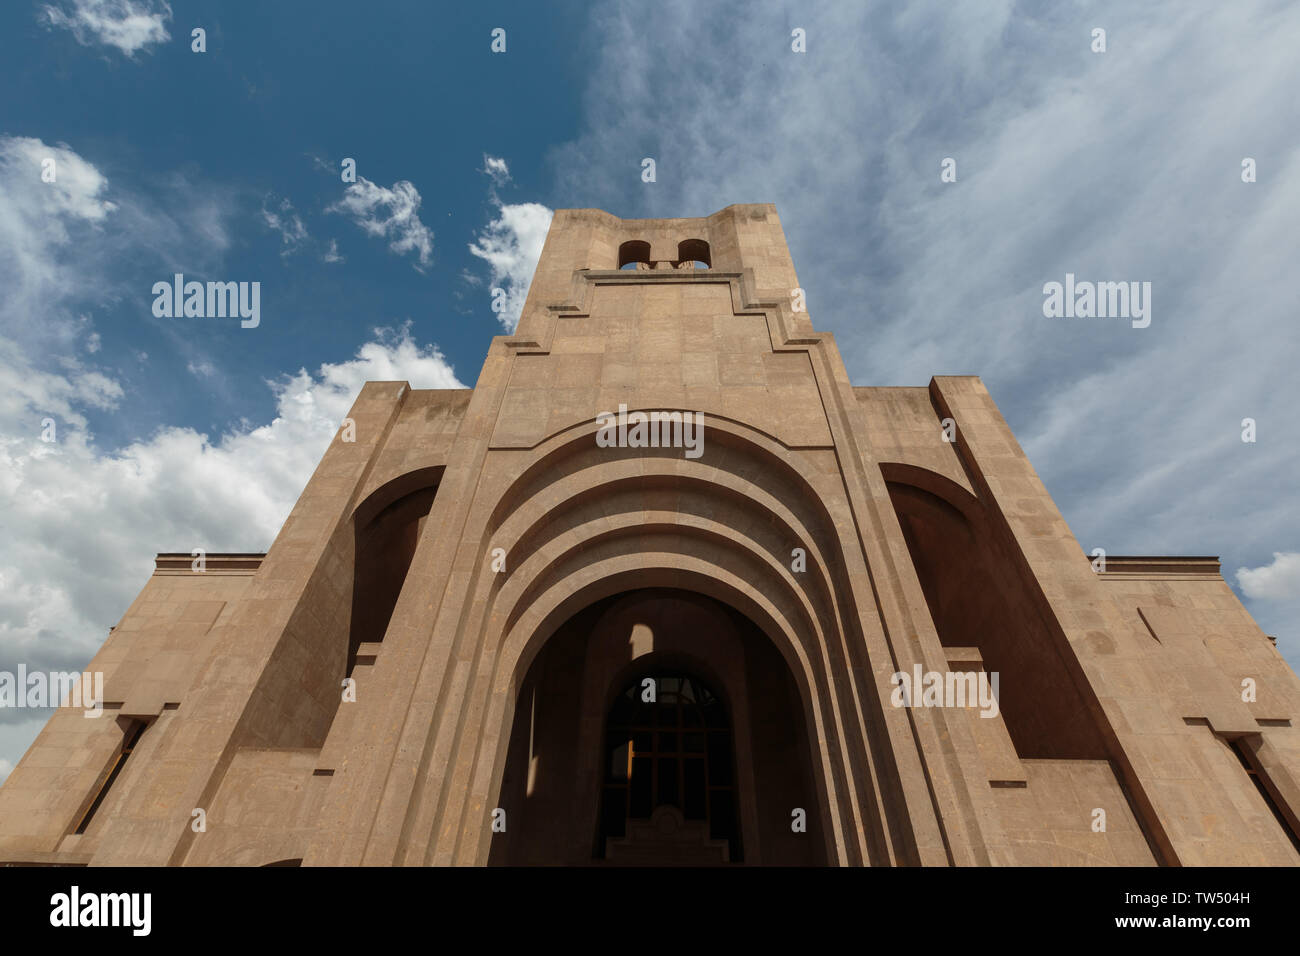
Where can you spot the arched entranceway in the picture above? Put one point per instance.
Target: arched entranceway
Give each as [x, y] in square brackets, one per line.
[715, 769]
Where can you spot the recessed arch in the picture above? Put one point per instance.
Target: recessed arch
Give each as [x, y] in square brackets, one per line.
[810, 627]
[386, 529]
[629, 572]
[573, 448]
[978, 596]
[811, 621]
[737, 458]
[731, 552]
[684, 632]
[940, 486]
[696, 250]
[393, 489]
[633, 251]
[664, 503]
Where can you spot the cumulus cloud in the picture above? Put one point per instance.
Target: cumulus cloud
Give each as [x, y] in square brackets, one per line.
[511, 244]
[390, 214]
[288, 224]
[1273, 593]
[128, 25]
[332, 253]
[1278, 581]
[29, 395]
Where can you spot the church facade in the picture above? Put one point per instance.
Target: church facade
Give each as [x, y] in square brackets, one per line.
[665, 587]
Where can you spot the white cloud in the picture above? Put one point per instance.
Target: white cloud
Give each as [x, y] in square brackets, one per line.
[63, 244]
[75, 191]
[38, 221]
[37, 224]
[5, 768]
[332, 253]
[497, 169]
[201, 369]
[391, 214]
[1273, 594]
[1277, 581]
[511, 244]
[29, 395]
[129, 25]
[288, 224]
[45, 270]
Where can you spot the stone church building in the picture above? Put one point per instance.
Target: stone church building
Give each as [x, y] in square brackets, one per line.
[666, 587]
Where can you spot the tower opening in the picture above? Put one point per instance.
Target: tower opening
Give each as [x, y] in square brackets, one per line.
[633, 251]
[696, 251]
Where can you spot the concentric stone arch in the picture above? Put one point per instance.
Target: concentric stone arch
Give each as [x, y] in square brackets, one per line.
[549, 576]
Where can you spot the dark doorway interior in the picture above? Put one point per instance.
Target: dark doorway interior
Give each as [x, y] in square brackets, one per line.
[713, 772]
[669, 773]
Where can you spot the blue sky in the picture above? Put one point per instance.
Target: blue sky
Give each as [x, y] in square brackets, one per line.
[264, 116]
[224, 165]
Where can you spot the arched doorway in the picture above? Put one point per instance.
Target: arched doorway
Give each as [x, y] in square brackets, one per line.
[715, 769]
[669, 793]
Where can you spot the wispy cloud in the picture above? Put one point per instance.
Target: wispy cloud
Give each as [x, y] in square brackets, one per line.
[1123, 165]
[392, 214]
[497, 169]
[128, 25]
[288, 224]
[63, 243]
